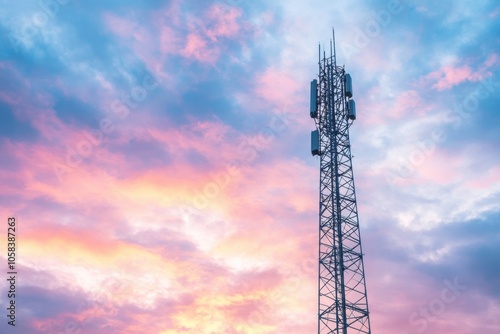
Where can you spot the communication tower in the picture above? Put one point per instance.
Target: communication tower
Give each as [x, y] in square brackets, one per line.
[342, 299]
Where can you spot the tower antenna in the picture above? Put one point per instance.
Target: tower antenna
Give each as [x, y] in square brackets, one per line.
[334, 51]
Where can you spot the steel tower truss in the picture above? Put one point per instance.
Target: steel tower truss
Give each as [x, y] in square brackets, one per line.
[342, 299]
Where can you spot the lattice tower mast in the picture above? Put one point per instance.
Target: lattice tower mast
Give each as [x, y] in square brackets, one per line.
[342, 298]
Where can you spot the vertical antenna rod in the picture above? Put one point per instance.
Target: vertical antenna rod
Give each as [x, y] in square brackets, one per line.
[334, 51]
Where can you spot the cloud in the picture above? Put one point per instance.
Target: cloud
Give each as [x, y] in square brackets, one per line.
[447, 77]
[197, 211]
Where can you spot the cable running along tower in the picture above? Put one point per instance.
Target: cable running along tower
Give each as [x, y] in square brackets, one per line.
[342, 300]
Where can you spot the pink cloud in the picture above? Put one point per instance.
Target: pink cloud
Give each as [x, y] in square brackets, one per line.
[444, 168]
[223, 21]
[134, 34]
[120, 26]
[197, 47]
[492, 59]
[203, 42]
[409, 103]
[278, 87]
[486, 179]
[171, 41]
[449, 76]
[431, 169]
[200, 38]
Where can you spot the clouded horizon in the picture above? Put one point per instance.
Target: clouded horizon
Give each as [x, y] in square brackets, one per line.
[156, 156]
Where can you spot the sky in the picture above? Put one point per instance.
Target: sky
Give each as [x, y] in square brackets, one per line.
[156, 157]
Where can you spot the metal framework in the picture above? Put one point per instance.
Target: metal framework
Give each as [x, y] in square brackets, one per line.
[342, 299]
